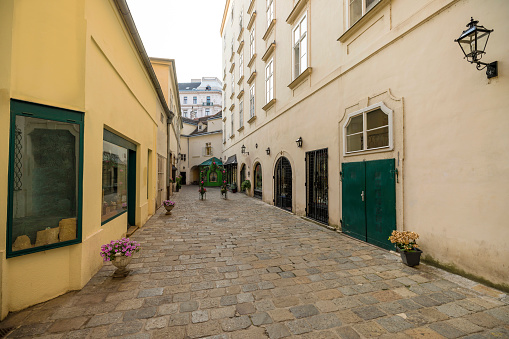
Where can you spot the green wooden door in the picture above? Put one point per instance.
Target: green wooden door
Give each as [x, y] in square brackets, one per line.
[369, 201]
[380, 202]
[353, 206]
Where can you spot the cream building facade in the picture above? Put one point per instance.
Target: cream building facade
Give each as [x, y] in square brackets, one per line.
[80, 111]
[363, 115]
[201, 139]
[201, 97]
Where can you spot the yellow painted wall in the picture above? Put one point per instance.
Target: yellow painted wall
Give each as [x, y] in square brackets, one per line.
[77, 55]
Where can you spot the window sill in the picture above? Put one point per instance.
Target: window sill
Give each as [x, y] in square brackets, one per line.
[232, 67]
[297, 9]
[250, 63]
[370, 151]
[240, 47]
[251, 21]
[240, 33]
[232, 95]
[252, 119]
[240, 81]
[224, 118]
[232, 136]
[269, 105]
[232, 107]
[269, 30]
[224, 86]
[251, 78]
[251, 6]
[233, 54]
[240, 129]
[241, 93]
[303, 76]
[269, 51]
[360, 23]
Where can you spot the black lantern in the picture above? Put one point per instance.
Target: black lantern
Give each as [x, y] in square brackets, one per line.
[299, 142]
[473, 42]
[268, 150]
[243, 150]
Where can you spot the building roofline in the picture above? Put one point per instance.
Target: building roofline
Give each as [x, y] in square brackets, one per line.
[200, 134]
[176, 83]
[225, 14]
[123, 9]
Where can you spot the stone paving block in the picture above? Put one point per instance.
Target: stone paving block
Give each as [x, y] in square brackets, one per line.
[245, 298]
[304, 311]
[368, 312]
[104, 319]
[347, 332]
[432, 314]
[453, 310]
[299, 326]
[286, 301]
[394, 324]
[199, 317]
[423, 332]
[150, 292]
[276, 331]
[261, 318]
[201, 330]
[228, 300]
[245, 308]
[168, 309]
[464, 325]
[446, 330]
[123, 329]
[328, 294]
[78, 334]
[369, 329]
[324, 321]
[127, 305]
[156, 323]
[235, 324]
[501, 313]
[66, 325]
[484, 319]
[223, 312]
[178, 319]
[368, 300]
[279, 315]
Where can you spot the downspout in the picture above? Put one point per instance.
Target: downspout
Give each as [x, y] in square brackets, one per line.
[168, 165]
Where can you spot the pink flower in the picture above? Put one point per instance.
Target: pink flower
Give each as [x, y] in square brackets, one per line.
[202, 182]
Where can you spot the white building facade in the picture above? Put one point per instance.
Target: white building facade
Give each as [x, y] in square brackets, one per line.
[201, 97]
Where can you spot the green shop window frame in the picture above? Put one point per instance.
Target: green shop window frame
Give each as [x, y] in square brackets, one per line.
[131, 175]
[39, 111]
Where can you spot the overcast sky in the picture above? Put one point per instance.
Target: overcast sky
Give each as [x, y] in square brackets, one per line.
[184, 30]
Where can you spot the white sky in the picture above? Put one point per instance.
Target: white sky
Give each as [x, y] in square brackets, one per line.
[184, 30]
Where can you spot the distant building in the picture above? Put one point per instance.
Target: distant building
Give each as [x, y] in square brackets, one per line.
[200, 140]
[201, 97]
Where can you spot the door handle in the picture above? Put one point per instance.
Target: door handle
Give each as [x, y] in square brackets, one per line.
[362, 195]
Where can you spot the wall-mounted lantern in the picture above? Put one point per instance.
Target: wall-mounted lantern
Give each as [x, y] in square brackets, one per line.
[473, 42]
[299, 142]
[268, 150]
[243, 150]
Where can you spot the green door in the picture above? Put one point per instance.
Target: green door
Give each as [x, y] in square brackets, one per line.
[369, 201]
[354, 209]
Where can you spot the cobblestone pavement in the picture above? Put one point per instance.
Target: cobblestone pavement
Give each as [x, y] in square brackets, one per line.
[243, 269]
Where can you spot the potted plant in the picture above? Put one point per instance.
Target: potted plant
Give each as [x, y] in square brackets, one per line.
[178, 180]
[203, 191]
[168, 205]
[120, 253]
[406, 246]
[245, 186]
[224, 191]
[233, 187]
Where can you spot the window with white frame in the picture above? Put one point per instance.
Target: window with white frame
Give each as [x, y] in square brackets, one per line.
[185, 100]
[233, 6]
[300, 46]
[358, 8]
[252, 101]
[241, 22]
[241, 65]
[252, 43]
[233, 82]
[269, 81]
[195, 100]
[241, 113]
[368, 129]
[232, 126]
[270, 11]
[207, 111]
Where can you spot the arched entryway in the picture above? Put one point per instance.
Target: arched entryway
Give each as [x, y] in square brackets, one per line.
[283, 184]
[258, 181]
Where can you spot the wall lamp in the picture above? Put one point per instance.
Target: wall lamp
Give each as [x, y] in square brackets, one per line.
[243, 150]
[473, 42]
[299, 142]
[268, 150]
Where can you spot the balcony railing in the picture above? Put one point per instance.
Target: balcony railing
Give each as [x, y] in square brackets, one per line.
[207, 104]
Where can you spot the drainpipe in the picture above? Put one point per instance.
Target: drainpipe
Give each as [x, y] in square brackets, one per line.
[168, 165]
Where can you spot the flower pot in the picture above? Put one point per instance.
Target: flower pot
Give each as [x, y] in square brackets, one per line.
[410, 258]
[121, 262]
[168, 209]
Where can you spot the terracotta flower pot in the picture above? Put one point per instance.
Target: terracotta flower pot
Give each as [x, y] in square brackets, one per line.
[168, 209]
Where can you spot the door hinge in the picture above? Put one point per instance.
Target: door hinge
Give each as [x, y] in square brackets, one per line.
[396, 172]
[341, 176]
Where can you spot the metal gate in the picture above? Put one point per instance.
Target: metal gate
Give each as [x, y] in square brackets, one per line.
[317, 185]
[369, 201]
[283, 184]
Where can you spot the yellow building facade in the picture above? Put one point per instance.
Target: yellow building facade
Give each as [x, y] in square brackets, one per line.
[363, 115]
[80, 107]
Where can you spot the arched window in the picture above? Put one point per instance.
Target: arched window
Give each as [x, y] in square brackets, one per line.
[368, 129]
[258, 181]
[213, 177]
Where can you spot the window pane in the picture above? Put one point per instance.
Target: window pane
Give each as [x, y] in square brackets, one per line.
[303, 56]
[45, 201]
[304, 25]
[376, 119]
[296, 59]
[354, 142]
[378, 138]
[114, 190]
[355, 11]
[296, 35]
[370, 4]
[355, 125]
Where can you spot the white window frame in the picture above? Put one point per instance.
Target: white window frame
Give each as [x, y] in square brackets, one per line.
[241, 65]
[233, 82]
[363, 9]
[269, 81]
[298, 44]
[270, 11]
[232, 125]
[195, 100]
[185, 100]
[207, 111]
[252, 43]
[241, 113]
[252, 101]
[363, 112]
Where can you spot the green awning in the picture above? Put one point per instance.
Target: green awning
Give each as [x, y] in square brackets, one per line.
[209, 162]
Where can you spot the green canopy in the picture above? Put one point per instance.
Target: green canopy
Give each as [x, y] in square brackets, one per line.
[210, 161]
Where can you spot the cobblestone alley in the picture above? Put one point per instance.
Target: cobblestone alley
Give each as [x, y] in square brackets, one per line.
[243, 269]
